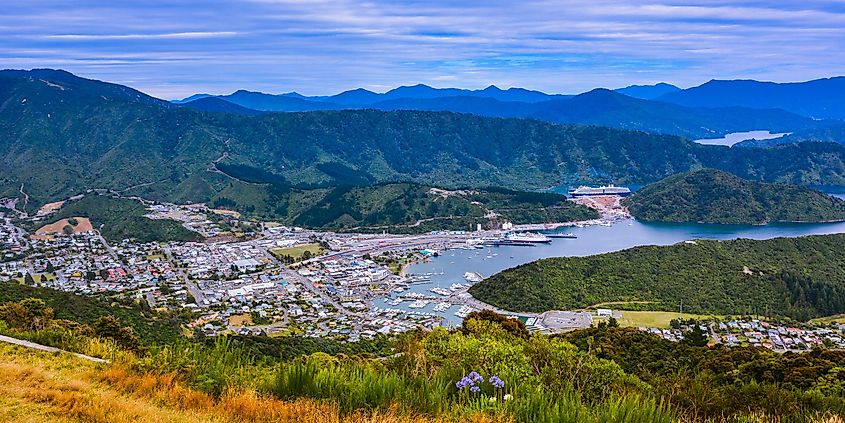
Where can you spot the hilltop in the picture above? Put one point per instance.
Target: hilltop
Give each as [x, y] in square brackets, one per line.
[712, 196]
[796, 277]
[61, 135]
[491, 369]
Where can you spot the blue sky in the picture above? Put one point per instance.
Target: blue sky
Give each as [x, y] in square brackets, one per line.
[172, 48]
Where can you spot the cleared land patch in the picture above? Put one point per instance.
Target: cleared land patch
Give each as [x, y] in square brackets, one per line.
[82, 225]
[653, 319]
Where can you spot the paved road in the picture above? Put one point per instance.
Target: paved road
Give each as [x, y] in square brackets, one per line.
[197, 293]
[290, 274]
[45, 348]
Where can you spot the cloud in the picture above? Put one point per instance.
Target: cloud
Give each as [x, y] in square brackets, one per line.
[167, 36]
[175, 48]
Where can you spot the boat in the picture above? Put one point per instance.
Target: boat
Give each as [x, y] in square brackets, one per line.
[568, 235]
[585, 191]
[457, 287]
[523, 238]
[464, 311]
[418, 304]
[395, 302]
[473, 277]
[442, 291]
[441, 307]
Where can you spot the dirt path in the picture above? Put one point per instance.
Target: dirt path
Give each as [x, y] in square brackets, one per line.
[45, 348]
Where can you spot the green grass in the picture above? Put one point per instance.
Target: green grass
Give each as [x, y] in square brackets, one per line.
[653, 319]
[297, 251]
[838, 318]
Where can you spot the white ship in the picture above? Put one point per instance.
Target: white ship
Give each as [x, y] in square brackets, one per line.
[525, 238]
[418, 304]
[464, 311]
[585, 191]
[441, 307]
[395, 302]
[457, 287]
[442, 291]
[473, 277]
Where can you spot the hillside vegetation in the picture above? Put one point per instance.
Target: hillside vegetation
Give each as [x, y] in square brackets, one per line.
[712, 196]
[61, 135]
[122, 218]
[395, 207]
[489, 370]
[797, 277]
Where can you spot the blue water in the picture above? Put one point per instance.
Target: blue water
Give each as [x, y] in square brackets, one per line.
[591, 240]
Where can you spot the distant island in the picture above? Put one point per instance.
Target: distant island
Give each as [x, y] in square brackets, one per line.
[800, 278]
[713, 196]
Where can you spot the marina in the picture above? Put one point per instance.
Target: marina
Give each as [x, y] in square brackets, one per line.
[459, 268]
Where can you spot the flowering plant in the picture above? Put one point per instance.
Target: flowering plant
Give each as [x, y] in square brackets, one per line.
[473, 382]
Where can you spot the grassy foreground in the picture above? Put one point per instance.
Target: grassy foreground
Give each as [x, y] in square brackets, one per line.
[37, 387]
[490, 370]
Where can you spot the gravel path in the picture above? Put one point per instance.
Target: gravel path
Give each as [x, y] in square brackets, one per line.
[45, 348]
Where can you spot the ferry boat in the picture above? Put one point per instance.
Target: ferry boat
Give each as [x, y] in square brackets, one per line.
[585, 191]
[524, 238]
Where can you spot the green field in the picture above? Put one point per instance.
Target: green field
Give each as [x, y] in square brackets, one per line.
[298, 251]
[654, 319]
[839, 318]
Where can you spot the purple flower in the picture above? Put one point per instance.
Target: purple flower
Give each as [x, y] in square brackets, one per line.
[475, 389]
[464, 382]
[496, 382]
[475, 377]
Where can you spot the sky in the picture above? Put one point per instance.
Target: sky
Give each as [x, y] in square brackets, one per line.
[171, 49]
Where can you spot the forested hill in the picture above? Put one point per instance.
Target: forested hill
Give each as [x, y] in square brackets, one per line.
[397, 208]
[796, 277]
[61, 135]
[712, 196]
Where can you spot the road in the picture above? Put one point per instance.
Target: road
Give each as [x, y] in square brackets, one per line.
[195, 291]
[294, 276]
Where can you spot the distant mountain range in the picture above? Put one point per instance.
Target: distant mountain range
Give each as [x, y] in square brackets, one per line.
[637, 107]
[817, 99]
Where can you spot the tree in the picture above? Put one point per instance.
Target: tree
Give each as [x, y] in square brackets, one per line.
[512, 326]
[696, 337]
[73, 221]
[67, 230]
[110, 327]
[29, 280]
[612, 323]
[27, 314]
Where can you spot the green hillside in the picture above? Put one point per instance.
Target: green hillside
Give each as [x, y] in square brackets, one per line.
[796, 277]
[121, 218]
[712, 196]
[61, 135]
[396, 207]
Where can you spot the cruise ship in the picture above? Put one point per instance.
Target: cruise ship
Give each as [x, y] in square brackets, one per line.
[585, 191]
[526, 238]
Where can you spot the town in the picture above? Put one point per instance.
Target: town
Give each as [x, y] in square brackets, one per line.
[280, 281]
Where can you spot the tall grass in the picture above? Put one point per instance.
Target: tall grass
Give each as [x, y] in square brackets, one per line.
[360, 387]
[210, 369]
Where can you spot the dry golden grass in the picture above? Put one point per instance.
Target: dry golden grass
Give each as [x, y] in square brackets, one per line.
[40, 387]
